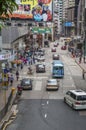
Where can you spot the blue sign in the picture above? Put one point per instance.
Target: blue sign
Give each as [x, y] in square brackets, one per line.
[68, 24]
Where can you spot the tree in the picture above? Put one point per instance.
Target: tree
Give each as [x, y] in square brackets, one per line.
[6, 7]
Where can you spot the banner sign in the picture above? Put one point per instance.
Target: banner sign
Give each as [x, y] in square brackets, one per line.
[41, 30]
[34, 10]
[68, 24]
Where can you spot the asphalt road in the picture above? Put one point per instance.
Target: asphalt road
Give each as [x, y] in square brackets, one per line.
[47, 115]
[42, 110]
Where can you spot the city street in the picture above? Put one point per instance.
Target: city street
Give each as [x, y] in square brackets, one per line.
[45, 110]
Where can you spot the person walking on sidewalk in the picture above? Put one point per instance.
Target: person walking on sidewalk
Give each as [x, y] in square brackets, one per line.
[17, 75]
[83, 74]
[11, 80]
[80, 58]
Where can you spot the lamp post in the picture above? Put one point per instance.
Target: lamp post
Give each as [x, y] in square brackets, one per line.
[85, 29]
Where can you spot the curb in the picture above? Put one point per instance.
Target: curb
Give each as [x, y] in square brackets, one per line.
[9, 113]
[80, 66]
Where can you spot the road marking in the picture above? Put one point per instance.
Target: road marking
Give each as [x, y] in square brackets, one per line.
[38, 85]
[32, 77]
[45, 115]
[47, 102]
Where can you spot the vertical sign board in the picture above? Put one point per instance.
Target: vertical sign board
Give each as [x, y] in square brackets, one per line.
[4, 80]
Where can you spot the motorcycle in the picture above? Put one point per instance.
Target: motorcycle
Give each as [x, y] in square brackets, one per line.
[30, 71]
[19, 90]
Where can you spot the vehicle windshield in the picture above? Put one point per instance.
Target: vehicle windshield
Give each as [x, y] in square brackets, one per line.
[41, 66]
[26, 82]
[51, 81]
[82, 97]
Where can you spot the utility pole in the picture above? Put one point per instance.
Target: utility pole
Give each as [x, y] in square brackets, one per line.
[85, 29]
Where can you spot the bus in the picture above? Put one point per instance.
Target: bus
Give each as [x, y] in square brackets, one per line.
[57, 69]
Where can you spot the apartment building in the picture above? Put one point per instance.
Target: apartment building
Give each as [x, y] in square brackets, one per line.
[70, 24]
[60, 14]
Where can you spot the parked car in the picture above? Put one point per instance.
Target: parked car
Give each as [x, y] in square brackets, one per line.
[56, 57]
[76, 99]
[26, 84]
[53, 49]
[52, 84]
[40, 68]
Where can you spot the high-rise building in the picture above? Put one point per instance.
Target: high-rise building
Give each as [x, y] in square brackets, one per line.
[60, 14]
[70, 16]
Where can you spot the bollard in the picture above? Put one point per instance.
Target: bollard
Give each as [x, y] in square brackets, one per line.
[13, 90]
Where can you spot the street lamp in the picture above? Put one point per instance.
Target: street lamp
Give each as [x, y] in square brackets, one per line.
[85, 29]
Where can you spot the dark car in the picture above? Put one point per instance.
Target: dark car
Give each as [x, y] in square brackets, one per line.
[55, 57]
[26, 84]
[53, 49]
[40, 68]
[46, 43]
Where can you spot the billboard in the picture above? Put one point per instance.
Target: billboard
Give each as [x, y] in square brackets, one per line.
[34, 10]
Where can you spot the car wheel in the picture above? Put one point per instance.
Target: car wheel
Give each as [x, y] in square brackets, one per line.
[65, 100]
[72, 106]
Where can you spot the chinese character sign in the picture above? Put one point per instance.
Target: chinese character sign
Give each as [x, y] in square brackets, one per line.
[34, 10]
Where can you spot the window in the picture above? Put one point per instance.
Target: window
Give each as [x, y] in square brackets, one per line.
[83, 97]
[73, 95]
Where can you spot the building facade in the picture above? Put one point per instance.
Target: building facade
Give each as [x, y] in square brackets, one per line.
[70, 23]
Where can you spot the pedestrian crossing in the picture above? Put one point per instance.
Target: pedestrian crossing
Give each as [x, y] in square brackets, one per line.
[38, 86]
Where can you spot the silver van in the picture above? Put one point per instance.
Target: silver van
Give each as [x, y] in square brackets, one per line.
[76, 99]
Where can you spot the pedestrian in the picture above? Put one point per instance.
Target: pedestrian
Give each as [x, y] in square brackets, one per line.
[80, 58]
[11, 80]
[84, 59]
[21, 66]
[17, 75]
[83, 74]
[33, 59]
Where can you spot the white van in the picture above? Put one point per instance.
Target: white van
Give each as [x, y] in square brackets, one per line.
[76, 99]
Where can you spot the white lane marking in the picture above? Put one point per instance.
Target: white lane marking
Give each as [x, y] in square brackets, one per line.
[43, 77]
[42, 104]
[45, 115]
[38, 85]
[47, 102]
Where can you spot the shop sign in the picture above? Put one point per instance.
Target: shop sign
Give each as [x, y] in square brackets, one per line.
[3, 65]
[5, 56]
[41, 30]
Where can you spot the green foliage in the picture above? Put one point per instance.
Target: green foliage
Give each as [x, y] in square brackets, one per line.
[6, 7]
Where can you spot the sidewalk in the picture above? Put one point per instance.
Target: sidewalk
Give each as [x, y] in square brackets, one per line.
[4, 94]
[82, 64]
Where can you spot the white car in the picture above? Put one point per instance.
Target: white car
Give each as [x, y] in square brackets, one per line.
[40, 59]
[76, 99]
[52, 84]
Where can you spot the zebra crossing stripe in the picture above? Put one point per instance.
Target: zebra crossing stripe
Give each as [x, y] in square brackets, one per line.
[38, 85]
